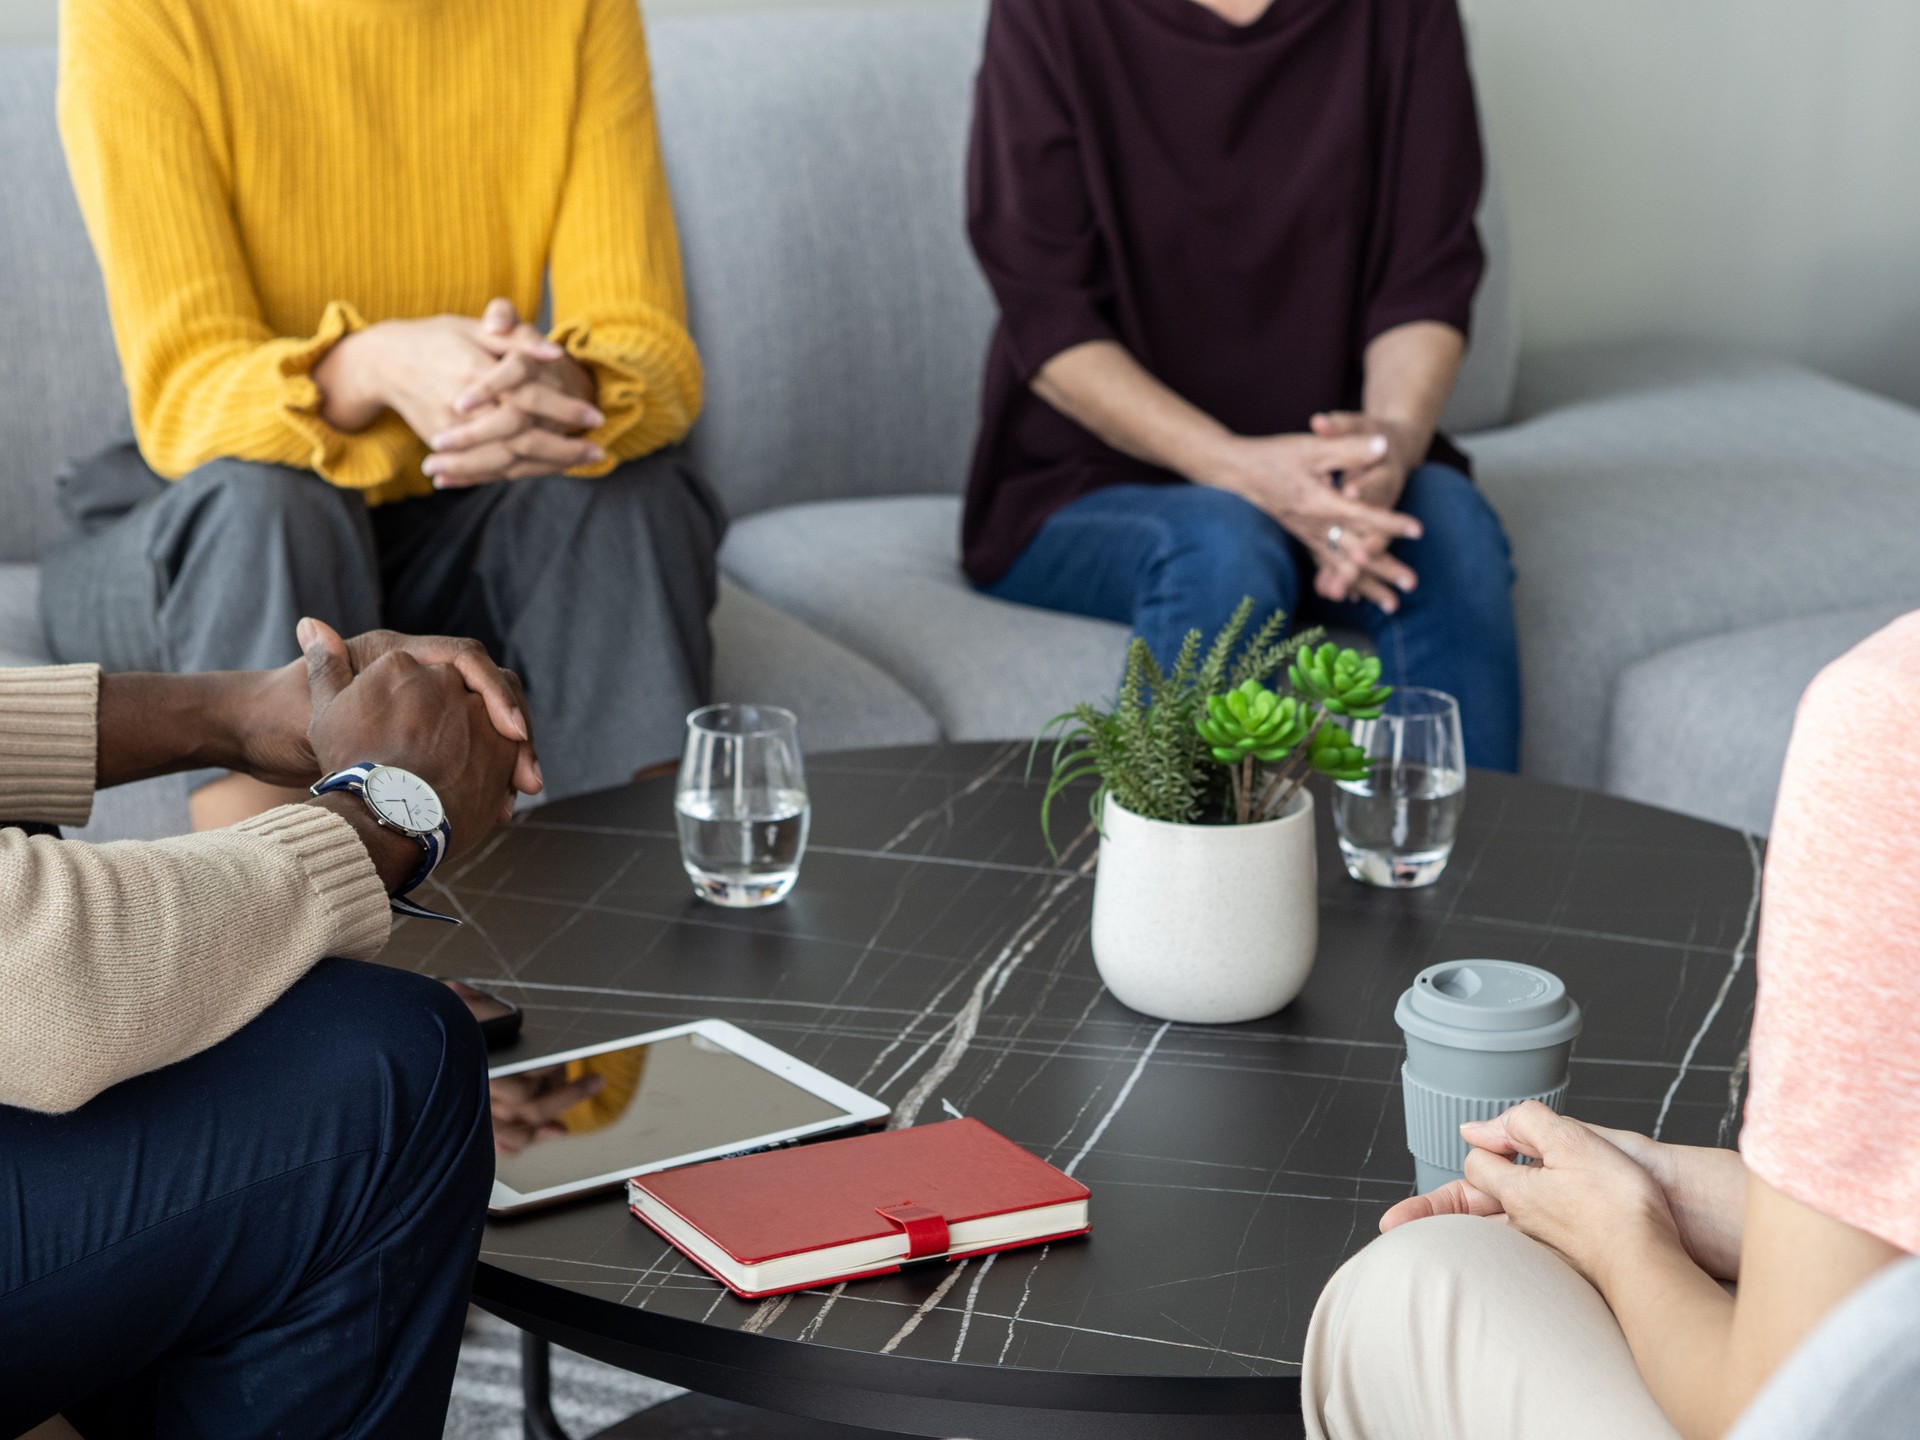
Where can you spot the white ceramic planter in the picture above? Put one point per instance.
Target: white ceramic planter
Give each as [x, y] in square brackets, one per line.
[1206, 924]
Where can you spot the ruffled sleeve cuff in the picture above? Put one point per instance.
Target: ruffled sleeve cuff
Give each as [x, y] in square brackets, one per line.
[362, 461]
[648, 381]
[49, 742]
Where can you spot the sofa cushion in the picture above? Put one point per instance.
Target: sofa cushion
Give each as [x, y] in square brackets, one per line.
[844, 702]
[1658, 494]
[1703, 727]
[881, 577]
[60, 390]
[817, 159]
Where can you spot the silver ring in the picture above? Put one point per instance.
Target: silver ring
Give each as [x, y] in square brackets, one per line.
[1334, 532]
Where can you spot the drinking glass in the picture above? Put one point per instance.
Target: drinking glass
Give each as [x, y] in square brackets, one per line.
[1396, 826]
[741, 804]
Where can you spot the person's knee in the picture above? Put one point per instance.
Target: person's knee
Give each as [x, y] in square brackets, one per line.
[267, 498]
[401, 1053]
[1455, 515]
[1380, 1344]
[1216, 544]
[1463, 558]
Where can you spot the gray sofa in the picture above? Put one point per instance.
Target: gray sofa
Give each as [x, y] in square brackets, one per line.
[1696, 531]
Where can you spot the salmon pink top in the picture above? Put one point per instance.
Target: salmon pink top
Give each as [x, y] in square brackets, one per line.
[1833, 1118]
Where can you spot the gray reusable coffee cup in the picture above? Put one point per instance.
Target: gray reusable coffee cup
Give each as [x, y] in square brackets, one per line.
[1482, 1035]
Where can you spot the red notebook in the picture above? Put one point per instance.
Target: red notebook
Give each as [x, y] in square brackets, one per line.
[842, 1209]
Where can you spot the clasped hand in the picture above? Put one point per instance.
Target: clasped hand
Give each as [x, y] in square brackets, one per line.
[1598, 1196]
[1335, 490]
[435, 705]
[493, 397]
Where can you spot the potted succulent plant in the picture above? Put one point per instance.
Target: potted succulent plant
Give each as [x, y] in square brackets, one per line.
[1204, 904]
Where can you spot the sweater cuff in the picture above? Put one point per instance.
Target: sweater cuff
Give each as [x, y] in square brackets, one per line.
[341, 872]
[49, 743]
[648, 384]
[354, 462]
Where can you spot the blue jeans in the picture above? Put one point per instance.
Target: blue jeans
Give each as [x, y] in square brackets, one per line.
[275, 1237]
[1167, 559]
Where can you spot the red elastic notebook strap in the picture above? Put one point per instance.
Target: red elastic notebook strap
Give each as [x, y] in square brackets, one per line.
[926, 1229]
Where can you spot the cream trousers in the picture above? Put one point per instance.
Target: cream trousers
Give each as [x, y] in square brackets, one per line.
[1456, 1328]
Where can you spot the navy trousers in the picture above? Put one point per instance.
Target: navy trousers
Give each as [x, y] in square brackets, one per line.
[1167, 559]
[275, 1237]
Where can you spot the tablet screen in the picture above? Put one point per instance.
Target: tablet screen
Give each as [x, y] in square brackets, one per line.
[671, 1097]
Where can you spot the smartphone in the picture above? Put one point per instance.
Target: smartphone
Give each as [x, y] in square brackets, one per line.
[499, 1020]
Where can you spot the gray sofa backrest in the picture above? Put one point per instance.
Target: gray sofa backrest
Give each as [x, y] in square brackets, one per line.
[816, 156]
[60, 391]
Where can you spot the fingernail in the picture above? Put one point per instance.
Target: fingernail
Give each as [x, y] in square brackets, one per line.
[439, 442]
[594, 452]
[430, 465]
[595, 418]
[549, 351]
[462, 404]
[520, 722]
[1379, 445]
[539, 779]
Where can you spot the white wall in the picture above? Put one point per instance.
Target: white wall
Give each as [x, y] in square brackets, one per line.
[1746, 170]
[1741, 170]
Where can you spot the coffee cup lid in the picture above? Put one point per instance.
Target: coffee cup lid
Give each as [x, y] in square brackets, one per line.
[1488, 1005]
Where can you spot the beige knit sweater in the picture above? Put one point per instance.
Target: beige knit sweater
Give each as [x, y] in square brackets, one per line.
[118, 959]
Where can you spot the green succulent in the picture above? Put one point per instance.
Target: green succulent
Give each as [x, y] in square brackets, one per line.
[1252, 720]
[1334, 754]
[1343, 681]
[1205, 739]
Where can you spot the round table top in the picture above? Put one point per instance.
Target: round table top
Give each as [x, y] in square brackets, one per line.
[935, 955]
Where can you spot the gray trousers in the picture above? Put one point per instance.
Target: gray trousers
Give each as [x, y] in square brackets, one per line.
[596, 591]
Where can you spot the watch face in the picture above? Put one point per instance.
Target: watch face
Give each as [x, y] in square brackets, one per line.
[404, 800]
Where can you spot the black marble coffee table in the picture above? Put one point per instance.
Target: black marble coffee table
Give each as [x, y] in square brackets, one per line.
[935, 955]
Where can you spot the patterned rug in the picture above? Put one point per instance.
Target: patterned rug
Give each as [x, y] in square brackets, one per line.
[587, 1396]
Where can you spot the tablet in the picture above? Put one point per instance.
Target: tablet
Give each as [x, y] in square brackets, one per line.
[691, 1092]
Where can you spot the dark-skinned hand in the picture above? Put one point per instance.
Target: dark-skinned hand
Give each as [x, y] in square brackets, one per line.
[418, 717]
[270, 709]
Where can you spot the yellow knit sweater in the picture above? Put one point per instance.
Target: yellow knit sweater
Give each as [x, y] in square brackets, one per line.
[261, 177]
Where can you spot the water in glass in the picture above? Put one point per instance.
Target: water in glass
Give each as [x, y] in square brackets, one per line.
[1397, 825]
[741, 804]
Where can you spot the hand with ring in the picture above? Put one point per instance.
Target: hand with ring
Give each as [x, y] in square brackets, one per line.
[1292, 478]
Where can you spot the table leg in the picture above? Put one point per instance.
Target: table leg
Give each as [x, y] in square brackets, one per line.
[536, 1389]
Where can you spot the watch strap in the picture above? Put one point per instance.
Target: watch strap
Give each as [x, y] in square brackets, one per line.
[434, 842]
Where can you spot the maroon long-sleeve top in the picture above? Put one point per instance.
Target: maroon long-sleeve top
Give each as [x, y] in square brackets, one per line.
[1243, 207]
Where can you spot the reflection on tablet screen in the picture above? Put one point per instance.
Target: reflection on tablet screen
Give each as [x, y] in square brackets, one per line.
[674, 1097]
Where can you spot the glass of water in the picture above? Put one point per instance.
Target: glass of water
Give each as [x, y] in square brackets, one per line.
[741, 804]
[1396, 826]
